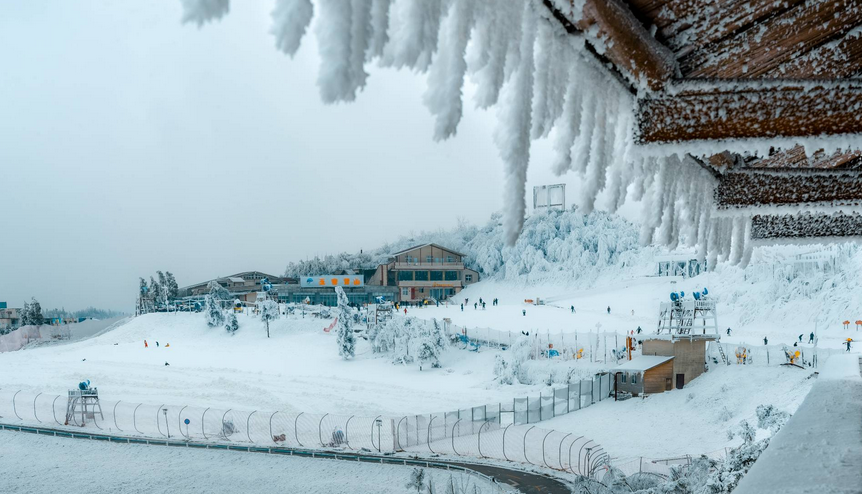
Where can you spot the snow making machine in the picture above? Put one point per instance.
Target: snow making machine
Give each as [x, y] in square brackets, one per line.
[83, 404]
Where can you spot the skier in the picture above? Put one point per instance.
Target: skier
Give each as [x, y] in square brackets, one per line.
[145, 344]
[405, 311]
[573, 309]
[483, 305]
[523, 312]
[811, 337]
[765, 341]
[462, 307]
[609, 309]
[795, 343]
[639, 330]
[728, 331]
[800, 338]
[475, 305]
[848, 343]
[157, 344]
[480, 300]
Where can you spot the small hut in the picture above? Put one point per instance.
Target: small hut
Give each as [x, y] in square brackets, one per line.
[646, 374]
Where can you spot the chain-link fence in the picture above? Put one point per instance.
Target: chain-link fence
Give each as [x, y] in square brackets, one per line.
[475, 432]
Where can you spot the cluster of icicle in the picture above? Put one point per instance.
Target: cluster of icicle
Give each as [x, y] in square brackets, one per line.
[525, 64]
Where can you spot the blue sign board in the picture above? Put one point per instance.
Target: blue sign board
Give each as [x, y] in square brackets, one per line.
[2, 305]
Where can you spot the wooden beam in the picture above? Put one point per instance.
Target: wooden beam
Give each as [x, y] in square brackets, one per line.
[806, 226]
[834, 60]
[750, 113]
[771, 41]
[795, 158]
[615, 33]
[749, 187]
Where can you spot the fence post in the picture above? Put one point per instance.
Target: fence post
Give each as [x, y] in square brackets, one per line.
[453, 435]
[54, 410]
[504, 441]
[568, 398]
[545, 461]
[560, 451]
[319, 432]
[223, 431]
[34, 407]
[579, 455]
[429, 431]
[525, 443]
[296, 431]
[580, 392]
[14, 409]
[179, 421]
[570, 453]
[135, 418]
[347, 435]
[479, 442]
[247, 426]
[271, 436]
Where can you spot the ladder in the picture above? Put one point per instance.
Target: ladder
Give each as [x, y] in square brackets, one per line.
[721, 352]
[83, 403]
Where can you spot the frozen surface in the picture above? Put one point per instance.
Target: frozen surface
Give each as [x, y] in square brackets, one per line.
[820, 448]
[76, 465]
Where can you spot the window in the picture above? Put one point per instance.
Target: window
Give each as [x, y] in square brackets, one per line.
[468, 278]
[405, 275]
[429, 259]
[623, 377]
[405, 292]
[450, 259]
[634, 378]
[436, 275]
[421, 276]
[452, 276]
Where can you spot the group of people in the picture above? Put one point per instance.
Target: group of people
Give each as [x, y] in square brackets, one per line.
[481, 302]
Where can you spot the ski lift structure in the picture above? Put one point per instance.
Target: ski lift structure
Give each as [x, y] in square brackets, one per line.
[688, 318]
[83, 404]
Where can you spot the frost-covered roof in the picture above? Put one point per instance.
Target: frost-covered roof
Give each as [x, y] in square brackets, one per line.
[643, 363]
[426, 245]
[236, 279]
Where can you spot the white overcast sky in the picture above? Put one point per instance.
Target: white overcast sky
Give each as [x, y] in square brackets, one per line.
[130, 143]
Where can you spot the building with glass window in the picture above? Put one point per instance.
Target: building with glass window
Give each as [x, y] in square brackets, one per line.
[424, 272]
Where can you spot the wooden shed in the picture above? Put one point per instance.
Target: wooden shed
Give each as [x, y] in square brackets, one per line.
[646, 374]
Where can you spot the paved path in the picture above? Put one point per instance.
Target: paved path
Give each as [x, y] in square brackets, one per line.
[525, 482]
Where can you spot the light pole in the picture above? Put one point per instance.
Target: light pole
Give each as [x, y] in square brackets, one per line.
[167, 427]
[379, 423]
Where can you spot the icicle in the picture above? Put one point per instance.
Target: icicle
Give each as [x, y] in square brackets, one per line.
[490, 61]
[541, 87]
[333, 40]
[736, 245]
[567, 129]
[290, 19]
[712, 245]
[413, 30]
[379, 28]
[747, 246]
[202, 11]
[581, 149]
[446, 77]
[513, 133]
[360, 38]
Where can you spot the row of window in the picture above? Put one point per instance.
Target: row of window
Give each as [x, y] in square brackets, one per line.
[623, 378]
[430, 259]
[428, 276]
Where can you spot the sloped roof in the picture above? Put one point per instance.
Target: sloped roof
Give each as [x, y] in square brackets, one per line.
[643, 363]
[426, 245]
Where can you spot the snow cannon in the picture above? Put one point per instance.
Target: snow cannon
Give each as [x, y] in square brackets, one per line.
[674, 296]
[681, 294]
[705, 292]
[84, 385]
[696, 295]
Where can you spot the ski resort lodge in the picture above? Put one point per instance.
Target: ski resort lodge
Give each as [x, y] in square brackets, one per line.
[425, 271]
[419, 273]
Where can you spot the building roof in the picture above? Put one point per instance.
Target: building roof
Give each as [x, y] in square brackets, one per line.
[643, 363]
[236, 279]
[426, 245]
[237, 275]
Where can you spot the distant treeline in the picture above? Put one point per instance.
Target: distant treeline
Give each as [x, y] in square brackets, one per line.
[89, 312]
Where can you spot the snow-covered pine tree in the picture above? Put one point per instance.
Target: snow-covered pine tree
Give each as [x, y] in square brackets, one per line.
[36, 318]
[439, 337]
[268, 312]
[346, 339]
[213, 312]
[232, 324]
[217, 291]
[171, 283]
[417, 479]
[142, 288]
[24, 317]
[155, 290]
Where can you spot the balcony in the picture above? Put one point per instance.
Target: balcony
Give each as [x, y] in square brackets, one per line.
[452, 266]
[430, 284]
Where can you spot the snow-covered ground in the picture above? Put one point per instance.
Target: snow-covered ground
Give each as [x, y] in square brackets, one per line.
[76, 465]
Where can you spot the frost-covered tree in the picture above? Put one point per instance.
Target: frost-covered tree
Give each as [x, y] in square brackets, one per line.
[346, 339]
[510, 369]
[172, 287]
[213, 311]
[155, 289]
[417, 479]
[31, 314]
[217, 291]
[268, 312]
[232, 324]
[142, 287]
